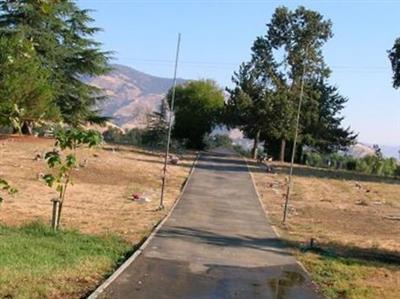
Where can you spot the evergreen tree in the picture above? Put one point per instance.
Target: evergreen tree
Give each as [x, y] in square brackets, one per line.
[61, 35]
[394, 56]
[324, 132]
[156, 132]
[247, 106]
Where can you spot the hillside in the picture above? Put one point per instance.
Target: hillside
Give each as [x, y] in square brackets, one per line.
[360, 150]
[132, 95]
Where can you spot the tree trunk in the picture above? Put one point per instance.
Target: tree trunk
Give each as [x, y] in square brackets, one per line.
[254, 151]
[282, 152]
[27, 127]
[60, 206]
[299, 154]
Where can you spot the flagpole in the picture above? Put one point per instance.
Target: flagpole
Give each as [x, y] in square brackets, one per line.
[161, 206]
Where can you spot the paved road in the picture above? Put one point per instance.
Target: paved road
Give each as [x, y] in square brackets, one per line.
[217, 243]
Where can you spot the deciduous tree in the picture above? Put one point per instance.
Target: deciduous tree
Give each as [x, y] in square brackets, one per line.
[198, 106]
[64, 163]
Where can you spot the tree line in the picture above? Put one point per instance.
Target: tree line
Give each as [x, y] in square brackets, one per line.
[264, 99]
[47, 49]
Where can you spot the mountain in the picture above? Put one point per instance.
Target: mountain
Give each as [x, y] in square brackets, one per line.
[360, 150]
[364, 149]
[131, 95]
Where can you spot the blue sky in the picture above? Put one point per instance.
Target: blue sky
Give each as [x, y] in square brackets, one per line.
[217, 36]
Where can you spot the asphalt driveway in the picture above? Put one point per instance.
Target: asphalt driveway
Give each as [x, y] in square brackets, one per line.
[217, 243]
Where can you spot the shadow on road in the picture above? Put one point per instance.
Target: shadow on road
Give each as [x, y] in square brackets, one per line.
[210, 238]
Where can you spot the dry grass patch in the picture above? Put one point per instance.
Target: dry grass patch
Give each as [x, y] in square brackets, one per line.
[99, 200]
[349, 216]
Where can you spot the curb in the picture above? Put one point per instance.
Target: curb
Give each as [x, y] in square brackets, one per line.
[137, 253]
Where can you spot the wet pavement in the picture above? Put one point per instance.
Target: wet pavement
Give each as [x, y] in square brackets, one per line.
[217, 243]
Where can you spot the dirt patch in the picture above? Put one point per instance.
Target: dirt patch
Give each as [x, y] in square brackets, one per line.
[99, 199]
[334, 209]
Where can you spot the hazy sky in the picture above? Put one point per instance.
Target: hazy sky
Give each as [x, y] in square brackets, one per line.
[217, 36]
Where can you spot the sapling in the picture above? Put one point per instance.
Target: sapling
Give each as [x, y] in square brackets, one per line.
[63, 160]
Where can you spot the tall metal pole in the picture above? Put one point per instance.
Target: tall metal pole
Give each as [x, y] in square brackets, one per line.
[161, 206]
[289, 186]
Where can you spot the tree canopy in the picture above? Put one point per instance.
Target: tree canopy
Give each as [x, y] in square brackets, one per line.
[247, 106]
[197, 109]
[60, 36]
[266, 93]
[26, 94]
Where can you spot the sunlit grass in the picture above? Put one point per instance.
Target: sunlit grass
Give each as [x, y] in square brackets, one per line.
[351, 278]
[36, 262]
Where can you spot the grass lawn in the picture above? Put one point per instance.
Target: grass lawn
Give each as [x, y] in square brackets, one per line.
[36, 262]
[344, 277]
[350, 216]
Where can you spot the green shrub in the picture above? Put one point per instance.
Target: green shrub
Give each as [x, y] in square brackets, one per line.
[147, 138]
[373, 164]
[314, 160]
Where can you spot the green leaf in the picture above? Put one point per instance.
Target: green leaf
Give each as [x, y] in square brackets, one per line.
[49, 179]
[53, 158]
[70, 160]
[93, 138]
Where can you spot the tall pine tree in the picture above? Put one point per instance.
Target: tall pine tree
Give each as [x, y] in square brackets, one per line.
[61, 35]
[247, 106]
[324, 131]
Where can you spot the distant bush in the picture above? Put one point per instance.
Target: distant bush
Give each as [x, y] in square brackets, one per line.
[373, 164]
[129, 137]
[314, 159]
[148, 138]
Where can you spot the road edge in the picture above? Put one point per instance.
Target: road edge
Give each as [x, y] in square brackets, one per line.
[260, 200]
[276, 230]
[100, 289]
